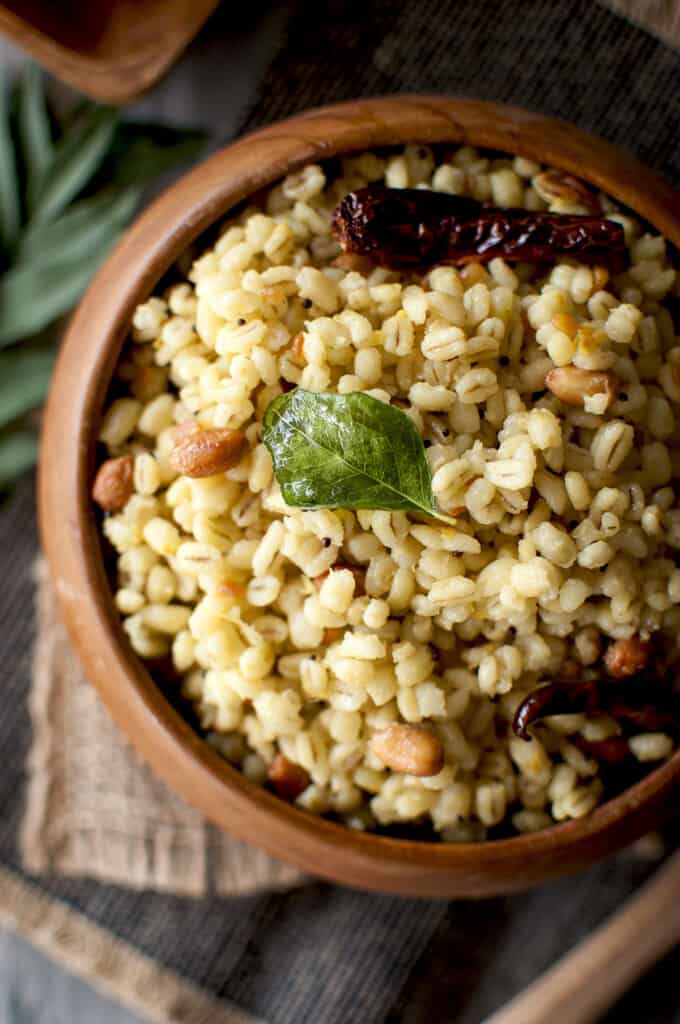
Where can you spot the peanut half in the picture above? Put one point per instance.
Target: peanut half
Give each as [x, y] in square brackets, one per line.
[205, 451]
[552, 185]
[626, 657]
[287, 778]
[571, 384]
[411, 749]
[113, 485]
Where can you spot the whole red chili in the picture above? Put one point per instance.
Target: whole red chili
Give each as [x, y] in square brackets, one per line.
[641, 705]
[612, 750]
[407, 228]
[559, 698]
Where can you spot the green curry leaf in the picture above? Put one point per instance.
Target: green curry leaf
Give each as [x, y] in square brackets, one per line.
[10, 202]
[35, 134]
[76, 158]
[34, 294]
[18, 453]
[24, 377]
[347, 451]
[80, 229]
[68, 187]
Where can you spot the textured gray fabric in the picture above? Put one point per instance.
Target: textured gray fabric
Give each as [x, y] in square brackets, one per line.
[573, 59]
[323, 954]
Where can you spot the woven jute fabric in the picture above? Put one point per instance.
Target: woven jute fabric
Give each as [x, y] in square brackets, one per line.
[315, 953]
[94, 808]
[117, 969]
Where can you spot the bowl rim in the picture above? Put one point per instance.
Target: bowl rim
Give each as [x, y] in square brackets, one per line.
[71, 538]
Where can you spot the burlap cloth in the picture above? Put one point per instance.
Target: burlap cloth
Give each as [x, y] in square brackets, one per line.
[94, 808]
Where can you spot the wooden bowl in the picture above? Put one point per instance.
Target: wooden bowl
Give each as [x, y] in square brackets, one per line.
[112, 50]
[87, 359]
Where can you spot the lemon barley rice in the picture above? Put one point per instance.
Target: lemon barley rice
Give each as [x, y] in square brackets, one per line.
[368, 664]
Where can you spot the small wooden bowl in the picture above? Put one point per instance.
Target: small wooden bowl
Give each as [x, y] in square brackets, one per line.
[71, 539]
[112, 50]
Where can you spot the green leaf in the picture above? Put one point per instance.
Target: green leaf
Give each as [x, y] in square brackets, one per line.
[75, 114]
[35, 134]
[144, 151]
[24, 379]
[32, 295]
[81, 229]
[76, 159]
[347, 451]
[79, 192]
[10, 204]
[18, 453]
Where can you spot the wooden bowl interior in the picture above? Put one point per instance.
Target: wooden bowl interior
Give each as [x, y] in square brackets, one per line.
[110, 49]
[77, 26]
[72, 541]
[106, 29]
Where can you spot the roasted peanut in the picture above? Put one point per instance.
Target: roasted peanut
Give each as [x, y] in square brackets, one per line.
[113, 485]
[411, 749]
[287, 778]
[571, 384]
[356, 570]
[626, 657]
[202, 452]
[552, 185]
[185, 429]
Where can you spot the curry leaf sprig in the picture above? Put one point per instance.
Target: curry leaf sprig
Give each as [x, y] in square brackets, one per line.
[67, 190]
[348, 451]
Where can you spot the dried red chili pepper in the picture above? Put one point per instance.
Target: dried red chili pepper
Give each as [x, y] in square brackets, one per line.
[646, 717]
[415, 228]
[642, 705]
[560, 698]
[613, 750]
